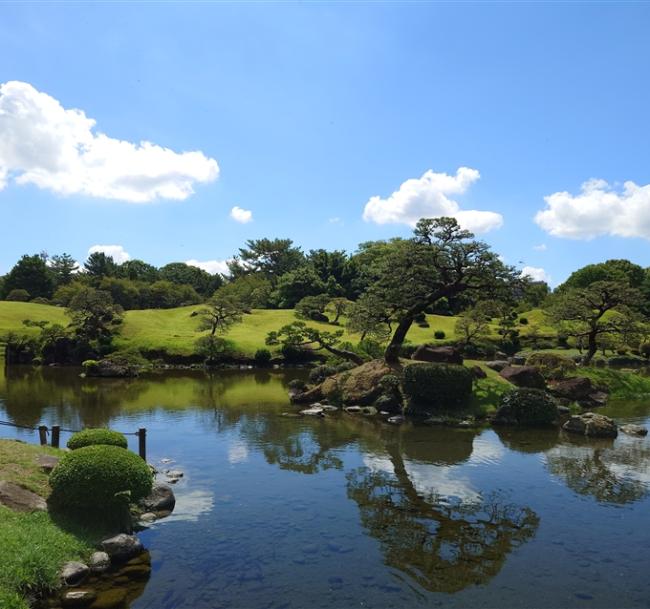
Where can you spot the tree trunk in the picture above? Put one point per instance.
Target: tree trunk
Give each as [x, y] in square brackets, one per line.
[391, 355]
[592, 347]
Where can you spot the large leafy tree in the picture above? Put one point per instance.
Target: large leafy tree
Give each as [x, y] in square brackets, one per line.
[32, 274]
[603, 309]
[93, 315]
[138, 270]
[440, 261]
[220, 313]
[270, 257]
[295, 285]
[185, 274]
[616, 270]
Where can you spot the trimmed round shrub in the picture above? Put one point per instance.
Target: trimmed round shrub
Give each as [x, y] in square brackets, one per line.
[551, 365]
[644, 350]
[439, 334]
[262, 357]
[441, 386]
[389, 382]
[528, 407]
[40, 300]
[18, 295]
[98, 477]
[97, 437]
[523, 321]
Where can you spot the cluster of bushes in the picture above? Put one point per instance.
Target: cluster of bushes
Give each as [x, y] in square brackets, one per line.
[527, 407]
[551, 365]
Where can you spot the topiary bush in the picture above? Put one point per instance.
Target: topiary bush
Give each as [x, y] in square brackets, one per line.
[18, 295]
[551, 365]
[97, 437]
[438, 386]
[99, 478]
[523, 321]
[527, 407]
[262, 357]
[439, 334]
[644, 350]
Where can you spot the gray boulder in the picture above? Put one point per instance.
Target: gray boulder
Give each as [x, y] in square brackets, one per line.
[78, 598]
[497, 364]
[20, 499]
[122, 547]
[591, 425]
[99, 562]
[73, 573]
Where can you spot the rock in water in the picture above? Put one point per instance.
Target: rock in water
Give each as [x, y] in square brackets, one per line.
[161, 499]
[314, 411]
[99, 562]
[591, 425]
[73, 573]
[634, 430]
[122, 547]
[78, 598]
[20, 499]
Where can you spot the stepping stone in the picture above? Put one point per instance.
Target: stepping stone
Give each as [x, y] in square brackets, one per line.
[20, 499]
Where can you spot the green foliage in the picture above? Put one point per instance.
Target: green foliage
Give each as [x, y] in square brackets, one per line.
[96, 477]
[18, 295]
[30, 273]
[320, 373]
[100, 265]
[138, 270]
[644, 349]
[221, 312]
[551, 365]
[313, 307]
[262, 357]
[295, 285]
[63, 267]
[610, 271]
[252, 291]
[528, 407]
[93, 316]
[271, 258]
[213, 348]
[439, 334]
[437, 386]
[523, 321]
[183, 274]
[94, 437]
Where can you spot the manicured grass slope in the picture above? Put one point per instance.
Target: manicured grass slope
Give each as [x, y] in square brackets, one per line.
[174, 330]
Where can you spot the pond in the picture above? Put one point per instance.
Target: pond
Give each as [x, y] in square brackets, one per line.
[346, 511]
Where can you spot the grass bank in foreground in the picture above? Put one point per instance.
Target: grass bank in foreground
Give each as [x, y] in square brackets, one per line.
[33, 547]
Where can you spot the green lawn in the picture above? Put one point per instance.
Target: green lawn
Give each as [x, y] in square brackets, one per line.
[174, 330]
[33, 547]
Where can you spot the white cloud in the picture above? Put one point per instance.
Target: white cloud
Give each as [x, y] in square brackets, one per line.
[540, 248]
[241, 215]
[211, 266]
[55, 148]
[598, 210]
[428, 197]
[117, 252]
[536, 273]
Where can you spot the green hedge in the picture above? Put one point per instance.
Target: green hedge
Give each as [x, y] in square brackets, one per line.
[441, 386]
[94, 437]
[551, 365]
[91, 477]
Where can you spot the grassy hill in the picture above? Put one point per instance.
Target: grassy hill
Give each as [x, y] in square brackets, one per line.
[175, 329]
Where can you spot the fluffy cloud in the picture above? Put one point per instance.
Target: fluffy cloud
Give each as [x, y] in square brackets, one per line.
[241, 215]
[536, 273]
[211, 266]
[57, 149]
[429, 197]
[117, 252]
[598, 210]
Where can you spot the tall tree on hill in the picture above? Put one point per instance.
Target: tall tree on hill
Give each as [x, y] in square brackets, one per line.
[440, 261]
[63, 268]
[100, 265]
[270, 257]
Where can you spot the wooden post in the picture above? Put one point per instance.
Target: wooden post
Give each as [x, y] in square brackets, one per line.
[42, 434]
[56, 431]
[142, 442]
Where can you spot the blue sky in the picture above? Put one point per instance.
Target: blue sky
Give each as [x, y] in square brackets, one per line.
[312, 109]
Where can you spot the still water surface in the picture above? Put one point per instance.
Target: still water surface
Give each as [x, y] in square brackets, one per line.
[346, 511]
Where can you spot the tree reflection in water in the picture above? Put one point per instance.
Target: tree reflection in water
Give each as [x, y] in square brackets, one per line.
[610, 473]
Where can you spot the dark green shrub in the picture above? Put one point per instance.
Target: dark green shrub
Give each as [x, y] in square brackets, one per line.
[40, 300]
[94, 477]
[94, 437]
[550, 365]
[627, 361]
[18, 295]
[320, 373]
[423, 324]
[262, 357]
[439, 334]
[523, 321]
[438, 386]
[389, 382]
[563, 341]
[407, 350]
[419, 318]
[528, 407]
[346, 365]
[297, 385]
[371, 348]
[621, 351]
[294, 355]
[644, 350]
